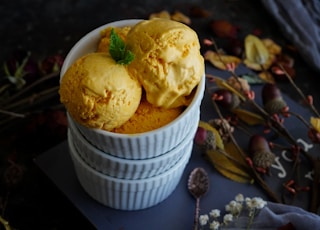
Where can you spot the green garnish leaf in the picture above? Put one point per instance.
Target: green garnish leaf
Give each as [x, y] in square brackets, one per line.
[118, 49]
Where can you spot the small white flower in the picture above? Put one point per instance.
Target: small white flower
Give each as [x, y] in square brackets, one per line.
[227, 218]
[214, 225]
[203, 219]
[239, 198]
[234, 207]
[257, 203]
[215, 213]
[248, 202]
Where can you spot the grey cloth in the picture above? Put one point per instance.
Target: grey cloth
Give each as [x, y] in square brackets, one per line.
[300, 22]
[274, 215]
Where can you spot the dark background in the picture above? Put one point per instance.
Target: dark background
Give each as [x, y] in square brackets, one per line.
[48, 28]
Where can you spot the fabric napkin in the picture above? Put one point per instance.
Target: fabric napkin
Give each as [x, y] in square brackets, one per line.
[300, 22]
[275, 215]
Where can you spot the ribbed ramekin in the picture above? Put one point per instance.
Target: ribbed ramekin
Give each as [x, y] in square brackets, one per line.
[125, 168]
[143, 145]
[124, 194]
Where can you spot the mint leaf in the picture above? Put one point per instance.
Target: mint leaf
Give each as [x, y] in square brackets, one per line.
[118, 50]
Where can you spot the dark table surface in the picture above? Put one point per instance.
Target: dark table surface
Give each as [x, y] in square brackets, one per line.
[48, 28]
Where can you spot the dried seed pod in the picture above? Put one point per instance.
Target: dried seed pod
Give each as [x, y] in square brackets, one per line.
[205, 139]
[272, 99]
[226, 99]
[260, 152]
[223, 127]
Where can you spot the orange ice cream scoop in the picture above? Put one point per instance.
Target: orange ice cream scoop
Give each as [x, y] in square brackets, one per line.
[168, 62]
[148, 117]
[99, 93]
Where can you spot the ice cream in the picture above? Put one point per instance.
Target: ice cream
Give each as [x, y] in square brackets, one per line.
[167, 67]
[99, 93]
[148, 117]
[167, 61]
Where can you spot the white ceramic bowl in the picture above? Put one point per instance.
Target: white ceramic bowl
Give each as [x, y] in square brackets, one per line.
[136, 146]
[127, 194]
[125, 168]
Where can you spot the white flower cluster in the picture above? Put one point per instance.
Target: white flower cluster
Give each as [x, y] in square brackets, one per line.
[233, 210]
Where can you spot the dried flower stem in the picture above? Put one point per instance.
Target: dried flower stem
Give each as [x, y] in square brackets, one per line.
[31, 86]
[254, 173]
[299, 90]
[5, 223]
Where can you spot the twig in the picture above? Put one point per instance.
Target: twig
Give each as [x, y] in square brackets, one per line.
[299, 90]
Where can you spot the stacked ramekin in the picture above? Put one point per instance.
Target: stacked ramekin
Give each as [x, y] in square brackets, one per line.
[130, 171]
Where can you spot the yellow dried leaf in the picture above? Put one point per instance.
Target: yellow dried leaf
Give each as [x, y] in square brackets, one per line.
[180, 17]
[161, 14]
[315, 122]
[207, 126]
[221, 60]
[267, 77]
[256, 51]
[221, 83]
[248, 117]
[228, 167]
[271, 46]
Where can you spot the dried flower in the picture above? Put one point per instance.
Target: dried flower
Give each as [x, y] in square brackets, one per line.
[203, 219]
[214, 225]
[235, 209]
[223, 127]
[215, 213]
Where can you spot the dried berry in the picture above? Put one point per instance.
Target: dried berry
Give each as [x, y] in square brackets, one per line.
[260, 152]
[205, 139]
[272, 99]
[226, 99]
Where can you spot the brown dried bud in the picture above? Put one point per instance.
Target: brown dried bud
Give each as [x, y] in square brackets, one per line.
[226, 99]
[205, 139]
[272, 99]
[260, 152]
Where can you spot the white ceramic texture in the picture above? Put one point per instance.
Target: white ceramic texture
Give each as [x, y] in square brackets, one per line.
[125, 194]
[136, 146]
[125, 168]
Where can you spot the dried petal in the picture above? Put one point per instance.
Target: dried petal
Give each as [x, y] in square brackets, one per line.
[220, 60]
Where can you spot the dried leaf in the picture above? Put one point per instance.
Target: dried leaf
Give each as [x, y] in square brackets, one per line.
[207, 126]
[315, 122]
[258, 56]
[248, 117]
[221, 60]
[221, 83]
[256, 51]
[267, 77]
[161, 14]
[252, 79]
[271, 46]
[180, 17]
[227, 167]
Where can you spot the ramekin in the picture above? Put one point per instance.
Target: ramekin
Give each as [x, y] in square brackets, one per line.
[143, 145]
[124, 194]
[125, 168]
